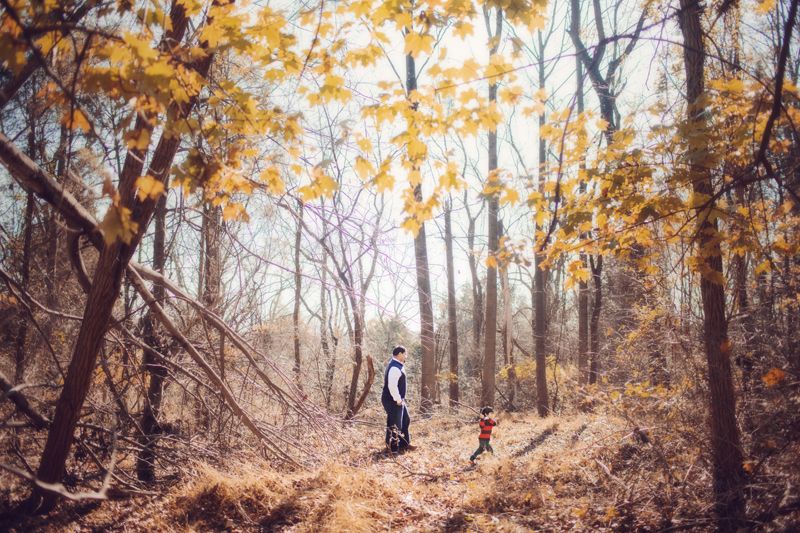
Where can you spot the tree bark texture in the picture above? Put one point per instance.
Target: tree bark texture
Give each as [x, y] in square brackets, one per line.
[726, 449]
[452, 319]
[423, 284]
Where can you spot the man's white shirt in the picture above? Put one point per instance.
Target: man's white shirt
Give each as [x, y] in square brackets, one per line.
[393, 379]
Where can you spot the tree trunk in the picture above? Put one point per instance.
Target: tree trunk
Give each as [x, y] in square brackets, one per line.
[145, 462]
[212, 262]
[477, 290]
[298, 280]
[539, 279]
[358, 339]
[583, 286]
[323, 330]
[451, 309]
[25, 264]
[423, 283]
[725, 445]
[490, 322]
[99, 304]
[104, 292]
[594, 323]
[508, 356]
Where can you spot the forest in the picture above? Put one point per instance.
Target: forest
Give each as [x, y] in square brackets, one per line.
[245, 243]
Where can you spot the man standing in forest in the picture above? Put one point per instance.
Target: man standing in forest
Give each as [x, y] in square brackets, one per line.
[393, 399]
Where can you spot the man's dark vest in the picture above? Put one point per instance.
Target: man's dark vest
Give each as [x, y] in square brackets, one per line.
[386, 396]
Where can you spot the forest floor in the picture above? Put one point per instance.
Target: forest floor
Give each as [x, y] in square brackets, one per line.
[583, 472]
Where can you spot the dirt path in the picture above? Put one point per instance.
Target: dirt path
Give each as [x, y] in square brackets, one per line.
[510, 490]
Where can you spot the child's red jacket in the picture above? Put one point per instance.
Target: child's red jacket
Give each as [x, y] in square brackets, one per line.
[486, 427]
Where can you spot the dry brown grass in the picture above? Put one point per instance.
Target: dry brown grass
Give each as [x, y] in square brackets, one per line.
[585, 473]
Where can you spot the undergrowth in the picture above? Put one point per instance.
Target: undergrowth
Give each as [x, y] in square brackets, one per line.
[594, 471]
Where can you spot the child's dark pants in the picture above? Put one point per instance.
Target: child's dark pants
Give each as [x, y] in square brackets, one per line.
[484, 445]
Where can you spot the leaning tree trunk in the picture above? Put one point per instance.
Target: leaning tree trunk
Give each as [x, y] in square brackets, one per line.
[725, 445]
[105, 289]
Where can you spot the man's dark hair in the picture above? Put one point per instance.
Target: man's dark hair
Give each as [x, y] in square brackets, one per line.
[398, 349]
[486, 410]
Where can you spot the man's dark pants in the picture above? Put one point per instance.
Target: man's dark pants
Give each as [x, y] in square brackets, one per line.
[397, 420]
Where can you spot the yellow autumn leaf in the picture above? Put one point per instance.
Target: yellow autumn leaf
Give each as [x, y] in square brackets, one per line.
[498, 66]
[117, 225]
[138, 141]
[213, 35]
[463, 29]
[510, 196]
[412, 225]
[450, 179]
[364, 168]
[416, 149]
[271, 177]
[148, 187]
[384, 181]
[467, 95]
[192, 7]
[234, 211]
[402, 20]
[774, 377]
[160, 69]
[322, 185]
[510, 95]
[76, 119]
[142, 48]
[765, 6]
[764, 267]
[364, 144]
[469, 128]
[416, 43]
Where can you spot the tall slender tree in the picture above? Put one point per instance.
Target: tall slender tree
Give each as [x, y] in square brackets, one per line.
[298, 285]
[490, 322]
[155, 369]
[726, 448]
[452, 318]
[423, 276]
[541, 272]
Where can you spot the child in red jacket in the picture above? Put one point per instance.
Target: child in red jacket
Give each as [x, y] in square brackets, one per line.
[484, 439]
